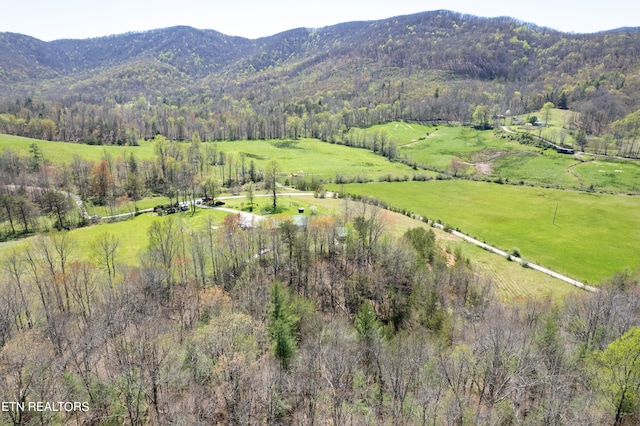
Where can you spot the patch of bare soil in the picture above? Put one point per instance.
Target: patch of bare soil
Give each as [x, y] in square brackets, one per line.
[483, 168]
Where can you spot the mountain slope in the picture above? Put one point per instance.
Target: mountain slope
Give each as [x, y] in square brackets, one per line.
[485, 48]
[497, 63]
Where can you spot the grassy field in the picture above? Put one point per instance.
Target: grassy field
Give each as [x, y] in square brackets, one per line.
[402, 133]
[616, 175]
[443, 143]
[63, 152]
[580, 243]
[494, 157]
[592, 236]
[315, 158]
[128, 207]
[287, 204]
[131, 232]
[486, 155]
[511, 282]
[309, 156]
[546, 168]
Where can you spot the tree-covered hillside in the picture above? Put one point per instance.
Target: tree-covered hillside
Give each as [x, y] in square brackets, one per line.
[429, 66]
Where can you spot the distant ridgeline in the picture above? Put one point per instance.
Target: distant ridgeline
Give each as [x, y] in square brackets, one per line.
[316, 83]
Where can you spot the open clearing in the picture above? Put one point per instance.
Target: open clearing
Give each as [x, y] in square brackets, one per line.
[592, 237]
[308, 157]
[63, 152]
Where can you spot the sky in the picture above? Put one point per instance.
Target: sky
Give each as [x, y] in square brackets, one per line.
[55, 19]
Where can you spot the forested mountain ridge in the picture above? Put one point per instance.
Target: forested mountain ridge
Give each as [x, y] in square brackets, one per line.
[432, 65]
[174, 45]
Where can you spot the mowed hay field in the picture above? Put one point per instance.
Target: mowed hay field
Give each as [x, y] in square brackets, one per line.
[509, 280]
[592, 237]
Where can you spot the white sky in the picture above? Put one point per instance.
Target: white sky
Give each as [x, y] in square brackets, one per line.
[55, 19]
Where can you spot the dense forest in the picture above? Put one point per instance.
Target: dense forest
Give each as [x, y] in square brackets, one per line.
[313, 82]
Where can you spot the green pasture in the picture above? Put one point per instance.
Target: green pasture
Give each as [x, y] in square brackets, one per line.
[444, 142]
[63, 152]
[131, 232]
[550, 169]
[309, 157]
[424, 144]
[313, 158]
[510, 281]
[590, 237]
[511, 161]
[400, 132]
[287, 204]
[128, 207]
[546, 168]
[610, 175]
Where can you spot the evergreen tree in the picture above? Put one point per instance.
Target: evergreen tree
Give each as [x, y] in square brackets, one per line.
[281, 326]
[562, 102]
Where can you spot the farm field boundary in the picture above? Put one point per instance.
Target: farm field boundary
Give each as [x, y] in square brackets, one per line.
[584, 236]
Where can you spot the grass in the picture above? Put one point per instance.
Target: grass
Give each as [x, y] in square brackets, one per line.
[547, 168]
[605, 175]
[287, 204]
[402, 133]
[446, 142]
[128, 207]
[433, 146]
[510, 280]
[63, 152]
[309, 157]
[514, 162]
[131, 232]
[314, 158]
[592, 237]
[580, 243]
